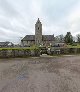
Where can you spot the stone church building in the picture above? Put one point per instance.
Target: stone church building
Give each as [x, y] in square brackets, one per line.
[38, 38]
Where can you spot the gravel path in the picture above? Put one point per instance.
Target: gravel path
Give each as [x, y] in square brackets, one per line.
[43, 74]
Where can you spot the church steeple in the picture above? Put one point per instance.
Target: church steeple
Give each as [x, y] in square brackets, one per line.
[38, 32]
[38, 20]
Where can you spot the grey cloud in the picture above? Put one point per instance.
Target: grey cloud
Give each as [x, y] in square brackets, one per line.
[18, 17]
[56, 10]
[8, 9]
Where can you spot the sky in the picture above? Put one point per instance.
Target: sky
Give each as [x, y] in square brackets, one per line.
[18, 18]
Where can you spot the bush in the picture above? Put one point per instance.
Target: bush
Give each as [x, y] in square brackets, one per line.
[74, 44]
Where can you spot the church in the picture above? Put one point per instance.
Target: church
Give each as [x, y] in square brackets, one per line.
[38, 39]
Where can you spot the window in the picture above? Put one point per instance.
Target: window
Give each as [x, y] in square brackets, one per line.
[38, 41]
[38, 28]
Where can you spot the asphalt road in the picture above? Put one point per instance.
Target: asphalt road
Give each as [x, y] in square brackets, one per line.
[43, 74]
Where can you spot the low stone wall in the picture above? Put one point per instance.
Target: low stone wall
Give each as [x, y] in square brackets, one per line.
[13, 53]
[70, 51]
[65, 51]
[4, 53]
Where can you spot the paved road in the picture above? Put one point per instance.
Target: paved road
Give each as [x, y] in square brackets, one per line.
[44, 74]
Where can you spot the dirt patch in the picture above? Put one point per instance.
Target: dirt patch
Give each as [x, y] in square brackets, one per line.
[43, 74]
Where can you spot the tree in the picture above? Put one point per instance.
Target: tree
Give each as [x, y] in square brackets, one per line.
[59, 38]
[68, 38]
[78, 38]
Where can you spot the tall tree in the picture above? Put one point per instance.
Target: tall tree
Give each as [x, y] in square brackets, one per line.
[78, 38]
[60, 38]
[68, 38]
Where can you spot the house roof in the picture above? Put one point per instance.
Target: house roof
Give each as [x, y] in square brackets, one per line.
[4, 43]
[44, 38]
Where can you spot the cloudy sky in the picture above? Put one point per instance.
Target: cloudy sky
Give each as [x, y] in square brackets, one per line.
[18, 17]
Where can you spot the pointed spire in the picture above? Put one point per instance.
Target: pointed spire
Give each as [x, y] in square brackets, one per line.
[38, 20]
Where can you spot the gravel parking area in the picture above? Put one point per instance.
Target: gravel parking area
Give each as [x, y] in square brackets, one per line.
[40, 74]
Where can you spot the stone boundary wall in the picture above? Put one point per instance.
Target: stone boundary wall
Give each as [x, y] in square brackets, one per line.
[65, 51]
[70, 51]
[13, 53]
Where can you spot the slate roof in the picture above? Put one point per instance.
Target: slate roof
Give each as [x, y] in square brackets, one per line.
[44, 38]
[48, 37]
[4, 43]
[29, 38]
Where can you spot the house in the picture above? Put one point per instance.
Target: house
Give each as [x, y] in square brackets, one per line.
[6, 44]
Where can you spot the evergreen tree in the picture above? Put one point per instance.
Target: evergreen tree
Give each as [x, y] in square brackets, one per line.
[78, 38]
[68, 38]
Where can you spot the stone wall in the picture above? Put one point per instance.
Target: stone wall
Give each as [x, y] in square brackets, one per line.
[38, 32]
[13, 53]
[65, 51]
[4, 53]
[28, 43]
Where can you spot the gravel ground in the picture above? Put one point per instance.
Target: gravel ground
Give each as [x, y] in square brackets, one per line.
[43, 74]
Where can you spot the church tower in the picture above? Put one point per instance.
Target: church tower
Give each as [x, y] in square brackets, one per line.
[38, 32]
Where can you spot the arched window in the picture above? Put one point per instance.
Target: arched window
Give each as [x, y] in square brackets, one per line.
[38, 28]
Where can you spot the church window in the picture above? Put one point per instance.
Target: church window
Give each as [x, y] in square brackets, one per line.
[38, 41]
[27, 41]
[38, 28]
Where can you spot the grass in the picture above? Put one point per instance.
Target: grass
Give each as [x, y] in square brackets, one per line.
[70, 46]
[34, 47]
